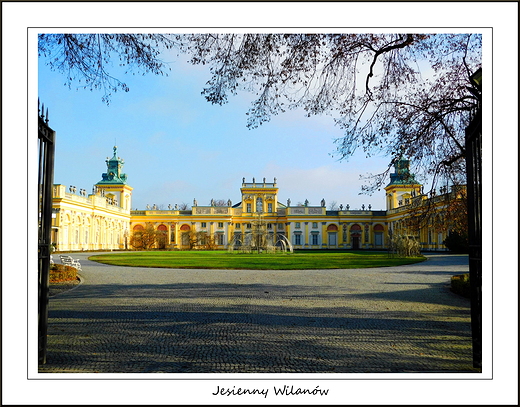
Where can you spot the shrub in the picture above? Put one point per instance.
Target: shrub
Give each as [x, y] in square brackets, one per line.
[61, 272]
[457, 243]
[460, 285]
[404, 246]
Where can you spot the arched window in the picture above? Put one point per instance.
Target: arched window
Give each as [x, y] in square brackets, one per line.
[332, 228]
[138, 227]
[259, 204]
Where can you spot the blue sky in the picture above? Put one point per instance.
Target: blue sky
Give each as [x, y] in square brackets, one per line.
[177, 146]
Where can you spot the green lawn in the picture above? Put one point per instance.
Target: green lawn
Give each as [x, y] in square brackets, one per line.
[224, 260]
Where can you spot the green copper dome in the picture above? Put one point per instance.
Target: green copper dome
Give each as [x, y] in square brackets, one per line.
[402, 175]
[113, 174]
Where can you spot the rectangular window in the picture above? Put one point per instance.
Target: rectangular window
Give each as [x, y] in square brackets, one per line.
[269, 207]
[280, 226]
[248, 226]
[298, 226]
[202, 224]
[248, 208]
[314, 225]
[297, 239]
[220, 225]
[314, 239]
[220, 239]
[269, 226]
[237, 225]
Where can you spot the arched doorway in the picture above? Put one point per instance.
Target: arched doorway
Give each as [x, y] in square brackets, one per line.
[136, 240]
[162, 236]
[185, 235]
[355, 236]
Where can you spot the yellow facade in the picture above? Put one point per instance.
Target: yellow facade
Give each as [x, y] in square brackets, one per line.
[103, 220]
[82, 222]
[96, 221]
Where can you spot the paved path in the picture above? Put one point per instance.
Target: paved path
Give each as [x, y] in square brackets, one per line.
[137, 320]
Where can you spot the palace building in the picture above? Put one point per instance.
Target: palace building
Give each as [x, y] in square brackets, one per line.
[103, 220]
[96, 221]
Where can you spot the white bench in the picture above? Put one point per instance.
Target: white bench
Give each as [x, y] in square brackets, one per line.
[69, 261]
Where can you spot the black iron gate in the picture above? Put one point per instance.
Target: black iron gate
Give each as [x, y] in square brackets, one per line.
[46, 142]
[474, 185]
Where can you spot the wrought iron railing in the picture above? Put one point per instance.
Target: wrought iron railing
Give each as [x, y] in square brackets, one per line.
[474, 187]
[46, 144]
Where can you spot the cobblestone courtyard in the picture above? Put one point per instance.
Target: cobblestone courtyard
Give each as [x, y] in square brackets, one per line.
[147, 320]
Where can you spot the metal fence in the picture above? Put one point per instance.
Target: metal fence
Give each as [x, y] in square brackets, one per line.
[474, 185]
[46, 144]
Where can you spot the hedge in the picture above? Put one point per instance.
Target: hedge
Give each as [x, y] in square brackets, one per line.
[460, 285]
[61, 272]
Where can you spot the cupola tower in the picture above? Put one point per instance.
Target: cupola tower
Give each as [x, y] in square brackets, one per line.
[402, 187]
[113, 184]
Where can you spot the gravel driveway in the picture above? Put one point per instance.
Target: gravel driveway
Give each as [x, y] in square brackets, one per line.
[140, 320]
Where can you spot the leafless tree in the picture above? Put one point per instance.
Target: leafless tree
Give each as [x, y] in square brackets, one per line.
[218, 202]
[333, 206]
[144, 239]
[396, 94]
[184, 206]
